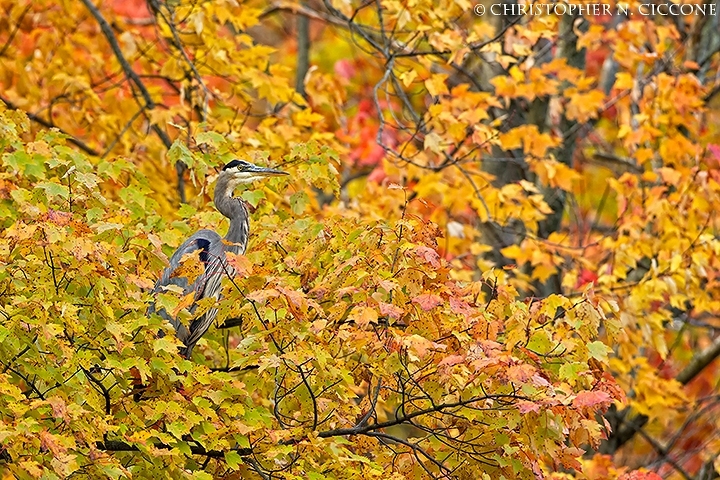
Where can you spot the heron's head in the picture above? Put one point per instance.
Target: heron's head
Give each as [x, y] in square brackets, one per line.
[242, 172]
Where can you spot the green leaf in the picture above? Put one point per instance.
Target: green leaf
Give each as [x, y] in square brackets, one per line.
[186, 211]
[298, 202]
[54, 190]
[540, 343]
[4, 332]
[200, 475]
[243, 441]
[253, 197]
[184, 448]
[166, 343]
[178, 429]
[599, 351]
[213, 139]
[94, 214]
[316, 475]
[90, 180]
[36, 167]
[16, 160]
[570, 371]
[233, 459]
[179, 152]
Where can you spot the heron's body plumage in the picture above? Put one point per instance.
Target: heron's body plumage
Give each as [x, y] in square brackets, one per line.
[213, 252]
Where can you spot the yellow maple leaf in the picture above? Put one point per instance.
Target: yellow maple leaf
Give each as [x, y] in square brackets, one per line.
[670, 175]
[436, 85]
[185, 302]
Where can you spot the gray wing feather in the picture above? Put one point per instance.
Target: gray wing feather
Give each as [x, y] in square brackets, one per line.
[211, 253]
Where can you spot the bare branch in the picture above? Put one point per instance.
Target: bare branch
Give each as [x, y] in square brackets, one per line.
[133, 77]
[664, 454]
[303, 54]
[119, 446]
[48, 124]
[699, 362]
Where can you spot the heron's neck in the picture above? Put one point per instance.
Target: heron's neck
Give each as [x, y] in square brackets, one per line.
[233, 208]
[239, 230]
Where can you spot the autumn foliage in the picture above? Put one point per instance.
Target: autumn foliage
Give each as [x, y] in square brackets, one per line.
[496, 256]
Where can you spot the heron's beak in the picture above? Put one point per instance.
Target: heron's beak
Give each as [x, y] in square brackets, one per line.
[267, 172]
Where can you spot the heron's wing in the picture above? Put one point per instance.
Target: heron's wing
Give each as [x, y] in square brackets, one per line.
[208, 285]
[207, 242]
[210, 245]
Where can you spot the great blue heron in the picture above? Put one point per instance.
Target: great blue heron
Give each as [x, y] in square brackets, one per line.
[213, 250]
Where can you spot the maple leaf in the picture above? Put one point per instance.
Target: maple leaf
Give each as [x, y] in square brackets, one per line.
[591, 399]
[460, 307]
[390, 310]
[640, 475]
[525, 406]
[436, 85]
[366, 316]
[670, 175]
[262, 295]
[451, 360]
[429, 255]
[428, 301]
[49, 442]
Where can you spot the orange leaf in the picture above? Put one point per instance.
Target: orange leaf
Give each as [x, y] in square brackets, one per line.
[185, 302]
[670, 175]
[262, 295]
[243, 267]
[367, 316]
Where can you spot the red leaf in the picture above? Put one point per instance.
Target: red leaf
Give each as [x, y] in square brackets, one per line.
[715, 150]
[591, 399]
[586, 276]
[520, 373]
[460, 307]
[135, 9]
[525, 406]
[637, 475]
[344, 69]
[377, 175]
[428, 301]
[429, 255]
[451, 360]
[390, 310]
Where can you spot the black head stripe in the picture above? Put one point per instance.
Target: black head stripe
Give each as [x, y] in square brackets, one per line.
[233, 164]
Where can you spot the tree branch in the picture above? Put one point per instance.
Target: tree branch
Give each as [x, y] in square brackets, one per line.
[120, 446]
[664, 454]
[362, 429]
[135, 79]
[624, 430]
[115, 46]
[48, 124]
[303, 54]
[699, 362]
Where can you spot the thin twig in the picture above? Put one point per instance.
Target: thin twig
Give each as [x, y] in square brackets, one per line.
[133, 77]
[48, 124]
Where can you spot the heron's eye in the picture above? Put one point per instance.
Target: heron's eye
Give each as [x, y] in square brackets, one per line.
[234, 164]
